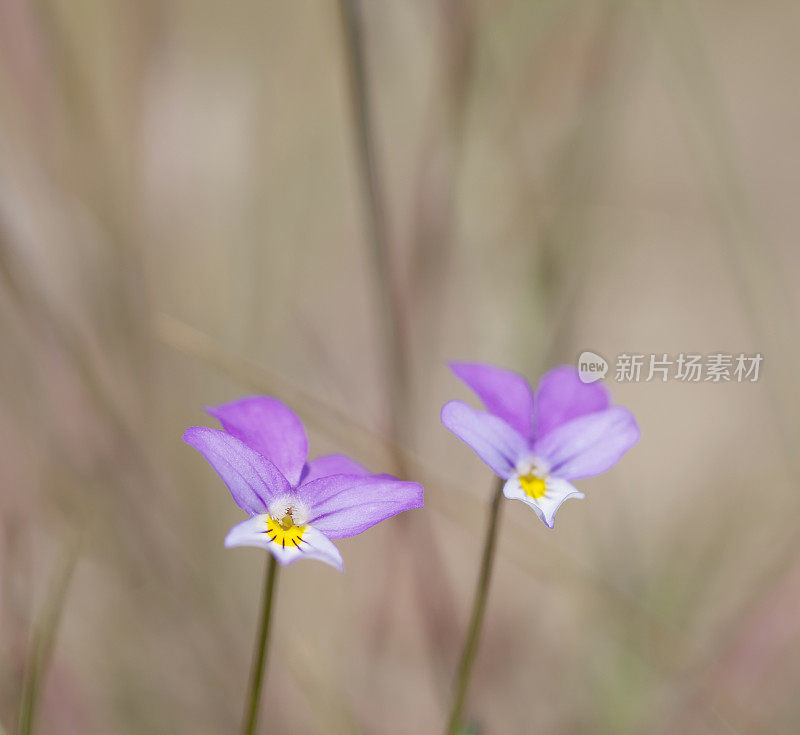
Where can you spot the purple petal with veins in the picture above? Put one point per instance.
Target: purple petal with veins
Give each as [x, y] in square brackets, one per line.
[346, 505]
[491, 438]
[504, 393]
[331, 464]
[270, 428]
[252, 479]
[562, 396]
[590, 444]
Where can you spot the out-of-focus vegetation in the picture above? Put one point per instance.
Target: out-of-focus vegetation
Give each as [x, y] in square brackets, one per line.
[183, 219]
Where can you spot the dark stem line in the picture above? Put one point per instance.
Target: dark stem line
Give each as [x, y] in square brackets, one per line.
[44, 638]
[476, 617]
[429, 574]
[260, 651]
[390, 312]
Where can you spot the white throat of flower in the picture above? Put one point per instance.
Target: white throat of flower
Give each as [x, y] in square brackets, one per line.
[288, 510]
[286, 521]
[533, 484]
[532, 474]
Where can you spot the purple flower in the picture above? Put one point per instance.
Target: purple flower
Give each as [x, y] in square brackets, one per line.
[296, 507]
[540, 442]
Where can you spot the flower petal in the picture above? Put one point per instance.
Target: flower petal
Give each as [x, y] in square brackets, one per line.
[491, 438]
[314, 544]
[269, 427]
[504, 393]
[345, 505]
[331, 464]
[556, 492]
[590, 444]
[252, 479]
[562, 396]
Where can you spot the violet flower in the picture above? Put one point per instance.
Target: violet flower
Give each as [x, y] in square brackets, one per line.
[296, 507]
[540, 442]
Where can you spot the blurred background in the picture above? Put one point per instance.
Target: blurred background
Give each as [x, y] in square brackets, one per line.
[325, 202]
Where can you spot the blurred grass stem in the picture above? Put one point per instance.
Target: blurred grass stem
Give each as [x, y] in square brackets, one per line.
[43, 638]
[476, 617]
[430, 572]
[261, 650]
[394, 357]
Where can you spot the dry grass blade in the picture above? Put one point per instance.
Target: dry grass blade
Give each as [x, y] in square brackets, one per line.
[392, 335]
[43, 638]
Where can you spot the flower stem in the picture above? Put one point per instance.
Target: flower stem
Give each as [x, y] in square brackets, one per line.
[260, 651]
[476, 617]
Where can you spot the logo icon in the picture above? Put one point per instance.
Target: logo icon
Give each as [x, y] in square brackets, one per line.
[591, 367]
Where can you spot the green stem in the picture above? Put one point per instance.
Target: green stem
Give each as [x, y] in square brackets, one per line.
[478, 610]
[261, 650]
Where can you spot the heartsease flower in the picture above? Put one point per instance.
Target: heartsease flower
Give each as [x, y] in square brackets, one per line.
[539, 442]
[296, 507]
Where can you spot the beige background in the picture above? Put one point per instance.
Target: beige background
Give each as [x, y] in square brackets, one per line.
[182, 221]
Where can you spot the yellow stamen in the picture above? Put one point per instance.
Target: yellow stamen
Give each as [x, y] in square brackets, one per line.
[284, 532]
[533, 486]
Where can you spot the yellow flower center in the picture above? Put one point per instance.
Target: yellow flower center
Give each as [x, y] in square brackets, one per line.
[284, 532]
[533, 485]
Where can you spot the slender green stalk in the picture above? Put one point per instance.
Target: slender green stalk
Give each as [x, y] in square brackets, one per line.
[43, 638]
[476, 617]
[261, 650]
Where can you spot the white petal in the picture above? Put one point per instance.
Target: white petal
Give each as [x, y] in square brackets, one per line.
[556, 492]
[314, 545]
[248, 533]
[318, 546]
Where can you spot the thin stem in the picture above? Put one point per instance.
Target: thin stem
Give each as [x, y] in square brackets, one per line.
[478, 610]
[260, 651]
[393, 326]
[388, 297]
[44, 636]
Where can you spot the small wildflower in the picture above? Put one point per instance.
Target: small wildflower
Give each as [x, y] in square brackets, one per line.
[540, 442]
[296, 507]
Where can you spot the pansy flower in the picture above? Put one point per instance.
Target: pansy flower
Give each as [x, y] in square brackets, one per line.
[540, 442]
[296, 507]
